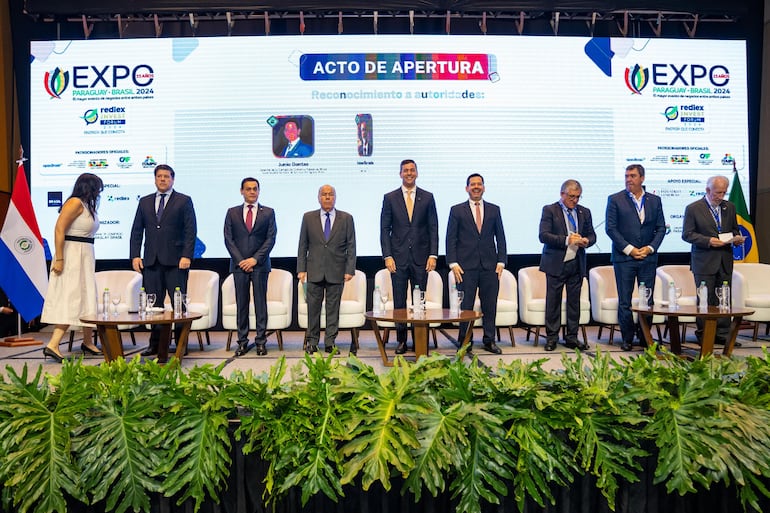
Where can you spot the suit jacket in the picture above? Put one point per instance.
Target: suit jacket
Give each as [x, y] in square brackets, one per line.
[258, 243]
[469, 248]
[301, 149]
[327, 260]
[553, 235]
[624, 228]
[168, 240]
[699, 226]
[400, 237]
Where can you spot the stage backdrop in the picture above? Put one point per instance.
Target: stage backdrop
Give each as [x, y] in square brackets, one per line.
[526, 112]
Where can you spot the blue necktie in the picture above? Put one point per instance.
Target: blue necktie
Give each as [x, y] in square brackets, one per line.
[327, 227]
[161, 204]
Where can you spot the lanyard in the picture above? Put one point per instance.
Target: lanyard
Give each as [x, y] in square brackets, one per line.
[715, 215]
[570, 217]
[639, 205]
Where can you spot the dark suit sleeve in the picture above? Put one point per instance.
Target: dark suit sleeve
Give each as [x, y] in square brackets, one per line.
[691, 232]
[386, 226]
[433, 226]
[303, 246]
[502, 255]
[587, 228]
[190, 229]
[350, 247]
[452, 236]
[660, 226]
[137, 233]
[548, 235]
[230, 244]
[263, 251]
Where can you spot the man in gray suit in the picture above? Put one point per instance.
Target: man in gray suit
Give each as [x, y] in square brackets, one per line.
[166, 221]
[249, 237]
[566, 231]
[326, 259]
[711, 226]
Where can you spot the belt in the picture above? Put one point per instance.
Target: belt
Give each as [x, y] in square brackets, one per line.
[75, 238]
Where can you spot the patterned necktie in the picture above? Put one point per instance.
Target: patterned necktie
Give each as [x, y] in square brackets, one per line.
[250, 218]
[478, 217]
[409, 204]
[161, 205]
[327, 227]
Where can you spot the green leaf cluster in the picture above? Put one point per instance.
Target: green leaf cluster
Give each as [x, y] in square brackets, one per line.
[118, 433]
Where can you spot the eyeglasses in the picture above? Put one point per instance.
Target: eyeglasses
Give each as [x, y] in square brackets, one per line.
[574, 197]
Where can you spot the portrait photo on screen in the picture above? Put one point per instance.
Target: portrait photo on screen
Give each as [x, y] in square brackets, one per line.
[365, 135]
[293, 137]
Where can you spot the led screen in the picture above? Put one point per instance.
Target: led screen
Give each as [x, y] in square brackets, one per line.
[526, 112]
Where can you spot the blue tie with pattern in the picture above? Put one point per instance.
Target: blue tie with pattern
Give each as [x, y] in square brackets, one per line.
[327, 227]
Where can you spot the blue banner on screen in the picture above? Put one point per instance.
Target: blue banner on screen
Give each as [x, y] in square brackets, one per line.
[298, 112]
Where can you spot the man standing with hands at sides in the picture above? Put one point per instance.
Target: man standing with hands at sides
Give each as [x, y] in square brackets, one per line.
[409, 238]
[636, 226]
[711, 226]
[476, 253]
[326, 259]
[566, 230]
[249, 237]
[166, 221]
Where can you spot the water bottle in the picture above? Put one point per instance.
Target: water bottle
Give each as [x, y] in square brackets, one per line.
[417, 299]
[377, 300]
[177, 302]
[643, 296]
[454, 307]
[725, 295]
[672, 302]
[703, 297]
[106, 303]
[142, 302]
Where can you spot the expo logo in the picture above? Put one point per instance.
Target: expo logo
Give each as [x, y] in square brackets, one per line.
[57, 81]
[637, 77]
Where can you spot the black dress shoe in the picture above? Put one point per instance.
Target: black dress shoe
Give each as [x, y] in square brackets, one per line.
[581, 347]
[571, 345]
[85, 349]
[626, 346]
[261, 350]
[401, 348]
[329, 348]
[311, 348]
[243, 348]
[550, 345]
[492, 348]
[353, 348]
[47, 351]
[150, 351]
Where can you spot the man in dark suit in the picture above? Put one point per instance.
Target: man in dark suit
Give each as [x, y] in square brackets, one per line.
[636, 226]
[711, 226]
[476, 253]
[295, 147]
[249, 237]
[565, 231]
[166, 221]
[326, 259]
[365, 147]
[409, 238]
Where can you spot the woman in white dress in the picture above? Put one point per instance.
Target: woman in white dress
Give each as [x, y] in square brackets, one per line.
[72, 286]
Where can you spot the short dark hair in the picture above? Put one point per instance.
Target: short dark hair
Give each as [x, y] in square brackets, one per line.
[161, 167]
[468, 180]
[249, 179]
[405, 162]
[638, 167]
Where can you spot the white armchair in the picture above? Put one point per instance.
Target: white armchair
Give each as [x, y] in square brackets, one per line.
[507, 315]
[683, 278]
[352, 306]
[751, 289]
[203, 291]
[127, 284]
[532, 287]
[280, 297]
[434, 298]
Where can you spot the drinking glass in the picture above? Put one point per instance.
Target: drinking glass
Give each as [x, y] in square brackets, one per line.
[678, 294]
[150, 302]
[460, 296]
[384, 298]
[115, 298]
[186, 299]
[720, 296]
[645, 301]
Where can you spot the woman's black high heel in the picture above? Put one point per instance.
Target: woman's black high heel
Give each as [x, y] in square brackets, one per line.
[47, 351]
[88, 350]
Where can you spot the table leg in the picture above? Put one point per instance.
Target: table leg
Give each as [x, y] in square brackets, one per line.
[468, 335]
[181, 344]
[112, 348]
[708, 337]
[735, 327]
[163, 342]
[381, 344]
[420, 340]
[674, 336]
[646, 329]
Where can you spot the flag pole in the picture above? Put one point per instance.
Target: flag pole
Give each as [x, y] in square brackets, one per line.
[19, 340]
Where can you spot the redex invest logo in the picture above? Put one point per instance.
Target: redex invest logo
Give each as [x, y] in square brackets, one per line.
[56, 82]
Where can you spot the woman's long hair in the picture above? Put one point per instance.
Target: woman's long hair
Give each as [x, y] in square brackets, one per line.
[87, 189]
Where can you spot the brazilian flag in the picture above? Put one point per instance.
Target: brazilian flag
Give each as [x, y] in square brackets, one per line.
[746, 252]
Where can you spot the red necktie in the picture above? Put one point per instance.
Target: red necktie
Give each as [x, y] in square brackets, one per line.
[478, 217]
[250, 217]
